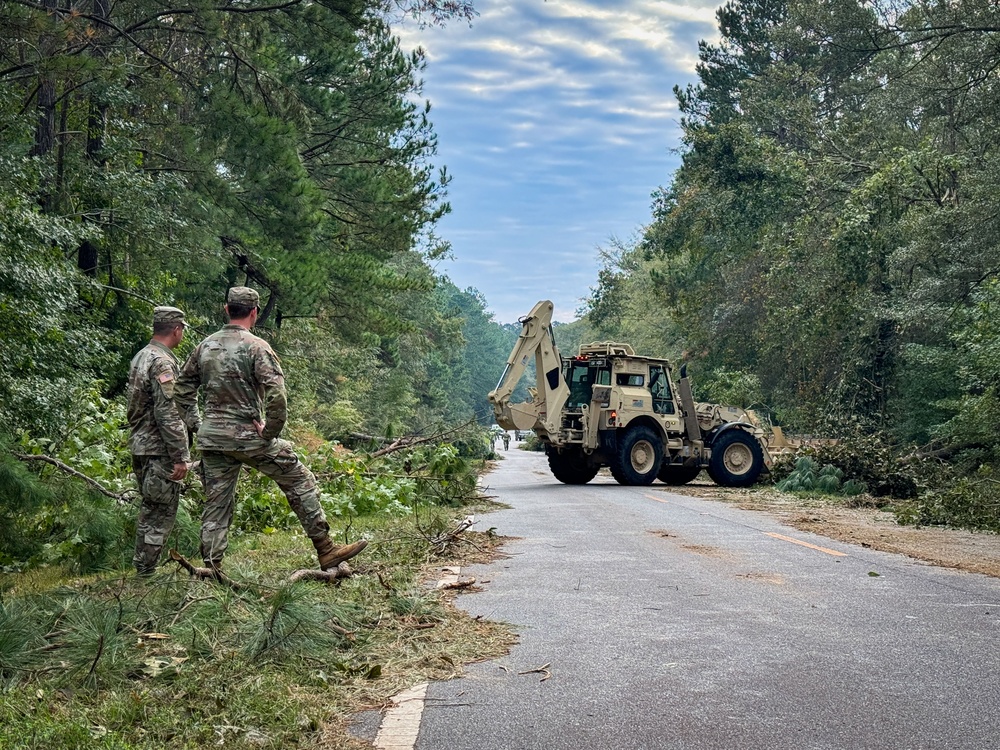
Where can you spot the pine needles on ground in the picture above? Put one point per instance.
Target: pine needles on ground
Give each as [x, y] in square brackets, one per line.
[133, 663]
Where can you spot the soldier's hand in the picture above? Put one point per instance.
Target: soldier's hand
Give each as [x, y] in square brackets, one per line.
[260, 427]
[180, 470]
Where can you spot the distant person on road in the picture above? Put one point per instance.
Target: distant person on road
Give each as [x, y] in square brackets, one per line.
[245, 410]
[158, 440]
[506, 440]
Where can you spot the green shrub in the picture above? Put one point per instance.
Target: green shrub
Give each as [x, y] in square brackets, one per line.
[56, 519]
[86, 531]
[532, 443]
[971, 502]
[810, 476]
[23, 496]
[852, 487]
[870, 460]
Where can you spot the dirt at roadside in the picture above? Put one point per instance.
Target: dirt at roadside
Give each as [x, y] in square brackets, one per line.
[868, 527]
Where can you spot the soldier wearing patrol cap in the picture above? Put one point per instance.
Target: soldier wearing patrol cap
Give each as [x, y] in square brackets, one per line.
[245, 410]
[158, 439]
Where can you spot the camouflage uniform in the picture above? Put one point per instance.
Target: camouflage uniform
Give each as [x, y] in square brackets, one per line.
[241, 377]
[157, 441]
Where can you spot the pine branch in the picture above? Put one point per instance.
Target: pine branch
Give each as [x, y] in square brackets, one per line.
[120, 497]
[409, 442]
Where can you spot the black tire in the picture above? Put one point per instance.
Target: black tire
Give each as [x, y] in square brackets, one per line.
[678, 474]
[638, 457]
[571, 467]
[737, 459]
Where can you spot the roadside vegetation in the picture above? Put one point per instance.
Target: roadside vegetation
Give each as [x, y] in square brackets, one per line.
[114, 661]
[93, 656]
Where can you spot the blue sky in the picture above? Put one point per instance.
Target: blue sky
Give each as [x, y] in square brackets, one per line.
[557, 121]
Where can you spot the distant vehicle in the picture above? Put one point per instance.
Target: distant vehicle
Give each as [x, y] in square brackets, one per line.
[522, 434]
[609, 407]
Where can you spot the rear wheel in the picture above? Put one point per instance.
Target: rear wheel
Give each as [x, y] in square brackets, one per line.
[678, 474]
[638, 457]
[737, 459]
[571, 466]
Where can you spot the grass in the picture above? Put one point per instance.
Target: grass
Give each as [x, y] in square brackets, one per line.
[113, 661]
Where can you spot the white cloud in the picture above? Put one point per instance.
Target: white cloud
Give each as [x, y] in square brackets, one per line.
[557, 120]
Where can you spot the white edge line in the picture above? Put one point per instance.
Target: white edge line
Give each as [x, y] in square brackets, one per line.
[401, 723]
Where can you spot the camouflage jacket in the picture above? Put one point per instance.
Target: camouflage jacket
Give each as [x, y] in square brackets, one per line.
[241, 382]
[157, 428]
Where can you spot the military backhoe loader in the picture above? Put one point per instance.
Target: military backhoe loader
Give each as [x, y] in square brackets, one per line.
[606, 406]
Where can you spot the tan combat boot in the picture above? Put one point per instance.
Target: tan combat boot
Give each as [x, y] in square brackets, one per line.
[331, 555]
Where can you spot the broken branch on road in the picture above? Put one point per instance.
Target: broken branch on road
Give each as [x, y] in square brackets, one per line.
[544, 670]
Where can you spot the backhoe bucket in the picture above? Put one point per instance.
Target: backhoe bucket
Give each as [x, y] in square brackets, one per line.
[517, 416]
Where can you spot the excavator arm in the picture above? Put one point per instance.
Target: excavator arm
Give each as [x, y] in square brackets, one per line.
[551, 389]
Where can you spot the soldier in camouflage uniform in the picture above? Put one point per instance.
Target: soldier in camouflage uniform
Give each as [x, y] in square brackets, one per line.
[245, 410]
[158, 439]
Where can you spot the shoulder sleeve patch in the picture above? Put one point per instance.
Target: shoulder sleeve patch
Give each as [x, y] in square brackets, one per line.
[165, 377]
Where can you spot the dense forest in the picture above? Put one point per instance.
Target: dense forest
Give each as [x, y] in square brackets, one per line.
[154, 155]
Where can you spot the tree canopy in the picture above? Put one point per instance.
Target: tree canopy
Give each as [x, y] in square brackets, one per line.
[155, 154]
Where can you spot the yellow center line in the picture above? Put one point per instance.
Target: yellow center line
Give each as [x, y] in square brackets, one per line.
[806, 544]
[657, 499]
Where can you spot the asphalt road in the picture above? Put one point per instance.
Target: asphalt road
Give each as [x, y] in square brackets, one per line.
[672, 622]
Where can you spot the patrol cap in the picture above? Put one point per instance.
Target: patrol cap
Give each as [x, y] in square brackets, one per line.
[243, 295]
[164, 314]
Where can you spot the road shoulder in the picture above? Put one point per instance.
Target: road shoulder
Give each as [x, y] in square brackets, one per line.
[975, 552]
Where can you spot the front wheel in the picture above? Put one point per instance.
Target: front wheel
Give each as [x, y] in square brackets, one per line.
[638, 457]
[737, 459]
[571, 466]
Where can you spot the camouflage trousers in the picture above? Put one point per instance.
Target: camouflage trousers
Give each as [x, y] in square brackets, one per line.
[278, 461]
[157, 511]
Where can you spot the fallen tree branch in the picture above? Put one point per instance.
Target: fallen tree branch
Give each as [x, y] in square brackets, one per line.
[459, 584]
[408, 441]
[119, 496]
[544, 670]
[326, 576]
[307, 574]
[348, 634]
[204, 573]
[447, 537]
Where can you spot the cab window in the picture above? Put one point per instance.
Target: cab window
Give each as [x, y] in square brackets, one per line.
[627, 378]
[659, 388]
[581, 380]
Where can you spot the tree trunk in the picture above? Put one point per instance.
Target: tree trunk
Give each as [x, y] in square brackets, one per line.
[45, 129]
[97, 119]
[97, 123]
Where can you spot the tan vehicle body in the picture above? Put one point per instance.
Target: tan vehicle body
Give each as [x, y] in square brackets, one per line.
[609, 407]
